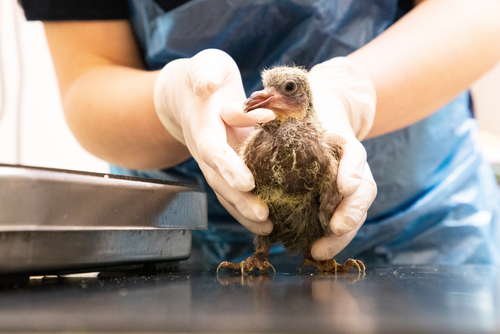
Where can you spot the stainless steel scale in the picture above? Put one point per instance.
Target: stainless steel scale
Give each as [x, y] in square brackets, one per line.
[59, 221]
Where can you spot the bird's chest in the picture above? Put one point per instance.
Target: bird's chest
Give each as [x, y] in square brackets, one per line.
[291, 158]
[291, 164]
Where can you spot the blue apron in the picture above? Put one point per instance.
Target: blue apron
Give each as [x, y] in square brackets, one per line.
[437, 198]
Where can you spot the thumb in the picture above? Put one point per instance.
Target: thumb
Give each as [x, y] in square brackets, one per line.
[351, 167]
[204, 77]
[208, 70]
[232, 114]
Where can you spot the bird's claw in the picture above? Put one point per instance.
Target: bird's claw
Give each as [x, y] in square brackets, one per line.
[250, 264]
[334, 267]
[351, 263]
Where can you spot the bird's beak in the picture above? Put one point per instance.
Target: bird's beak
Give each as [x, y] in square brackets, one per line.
[259, 99]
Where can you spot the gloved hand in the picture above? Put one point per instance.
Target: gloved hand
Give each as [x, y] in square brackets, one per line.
[188, 97]
[345, 101]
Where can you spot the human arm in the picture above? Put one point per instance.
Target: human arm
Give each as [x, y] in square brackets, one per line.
[108, 96]
[432, 54]
[416, 66]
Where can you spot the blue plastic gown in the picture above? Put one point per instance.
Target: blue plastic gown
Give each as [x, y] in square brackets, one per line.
[437, 203]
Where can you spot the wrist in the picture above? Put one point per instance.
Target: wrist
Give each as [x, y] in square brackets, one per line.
[164, 97]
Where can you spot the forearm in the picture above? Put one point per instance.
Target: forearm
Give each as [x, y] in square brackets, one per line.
[110, 111]
[108, 96]
[428, 57]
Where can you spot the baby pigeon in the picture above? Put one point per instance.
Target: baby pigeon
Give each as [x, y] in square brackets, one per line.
[294, 163]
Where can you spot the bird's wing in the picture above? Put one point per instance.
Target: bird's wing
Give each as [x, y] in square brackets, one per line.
[335, 143]
[329, 201]
[255, 152]
[247, 145]
[330, 197]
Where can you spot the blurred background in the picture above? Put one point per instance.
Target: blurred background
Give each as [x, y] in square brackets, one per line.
[32, 126]
[33, 130]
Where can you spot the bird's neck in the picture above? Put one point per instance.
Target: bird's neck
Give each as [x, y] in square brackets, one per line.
[271, 126]
[275, 124]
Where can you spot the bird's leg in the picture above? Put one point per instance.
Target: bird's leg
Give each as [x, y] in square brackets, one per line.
[332, 265]
[258, 261]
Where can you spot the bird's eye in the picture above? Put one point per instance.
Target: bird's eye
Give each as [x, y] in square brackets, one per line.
[290, 86]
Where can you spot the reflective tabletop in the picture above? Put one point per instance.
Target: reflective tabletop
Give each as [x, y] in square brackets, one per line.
[387, 299]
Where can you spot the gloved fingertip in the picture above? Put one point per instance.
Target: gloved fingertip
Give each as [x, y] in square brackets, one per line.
[348, 185]
[341, 226]
[212, 87]
[340, 231]
[264, 115]
[241, 183]
[234, 171]
[265, 228]
[320, 253]
[261, 211]
[204, 87]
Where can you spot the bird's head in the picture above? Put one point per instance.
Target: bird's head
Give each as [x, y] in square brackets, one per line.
[286, 92]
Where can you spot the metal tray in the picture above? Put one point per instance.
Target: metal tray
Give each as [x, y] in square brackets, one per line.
[58, 219]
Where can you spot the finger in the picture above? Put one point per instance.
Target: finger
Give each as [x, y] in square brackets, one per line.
[259, 227]
[351, 167]
[205, 73]
[206, 80]
[208, 69]
[223, 159]
[351, 212]
[326, 248]
[207, 142]
[244, 202]
[232, 114]
[236, 136]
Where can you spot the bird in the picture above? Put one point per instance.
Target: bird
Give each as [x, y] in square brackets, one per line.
[295, 163]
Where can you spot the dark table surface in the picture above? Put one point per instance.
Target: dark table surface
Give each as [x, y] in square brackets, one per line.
[402, 299]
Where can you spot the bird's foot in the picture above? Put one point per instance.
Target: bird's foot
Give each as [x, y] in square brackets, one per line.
[332, 265]
[250, 264]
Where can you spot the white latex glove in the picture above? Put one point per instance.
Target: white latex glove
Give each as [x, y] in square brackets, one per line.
[345, 101]
[188, 97]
